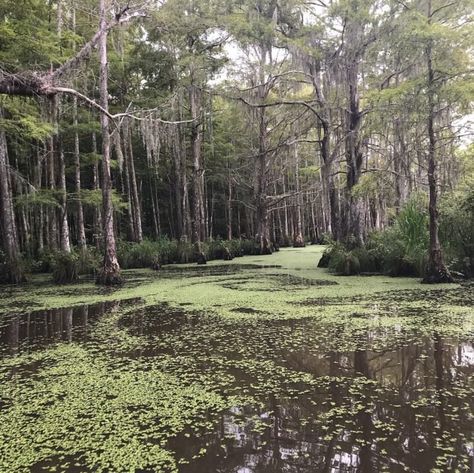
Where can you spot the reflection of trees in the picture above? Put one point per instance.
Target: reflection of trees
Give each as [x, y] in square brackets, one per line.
[42, 327]
[13, 332]
[364, 417]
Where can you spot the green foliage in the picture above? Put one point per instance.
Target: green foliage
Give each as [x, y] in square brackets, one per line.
[39, 198]
[88, 261]
[165, 251]
[141, 255]
[457, 231]
[65, 267]
[93, 198]
[400, 250]
[12, 271]
[27, 36]
[43, 263]
[412, 225]
[344, 262]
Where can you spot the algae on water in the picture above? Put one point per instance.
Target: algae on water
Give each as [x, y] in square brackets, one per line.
[240, 365]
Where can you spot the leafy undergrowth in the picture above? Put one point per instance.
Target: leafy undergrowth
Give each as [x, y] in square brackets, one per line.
[238, 365]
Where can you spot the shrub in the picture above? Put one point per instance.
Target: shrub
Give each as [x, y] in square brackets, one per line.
[12, 271]
[402, 248]
[44, 262]
[184, 252]
[144, 255]
[457, 231]
[249, 247]
[65, 267]
[89, 260]
[344, 262]
[399, 250]
[285, 241]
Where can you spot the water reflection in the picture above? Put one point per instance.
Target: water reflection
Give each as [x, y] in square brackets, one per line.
[397, 400]
[19, 332]
[403, 409]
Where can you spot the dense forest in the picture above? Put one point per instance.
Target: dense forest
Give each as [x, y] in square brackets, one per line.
[151, 132]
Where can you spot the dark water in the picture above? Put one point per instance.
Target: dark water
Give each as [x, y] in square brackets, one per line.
[398, 400]
[385, 434]
[393, 409]
[36, 329]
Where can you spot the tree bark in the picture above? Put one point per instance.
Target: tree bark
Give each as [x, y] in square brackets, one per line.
[81, 233]
[110, 271]
[229, 204]
[97, 224]
[13, 272]
[298, 237]
[354, 158]
[261, 200]
[436, 271]
[136, 206]
[198, 214]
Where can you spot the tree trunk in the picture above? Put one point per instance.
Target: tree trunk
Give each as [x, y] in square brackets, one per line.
[97, 224]
[261, 200]
[110, 271]
[198, 217]
[135, 201]
[81, 233]
[436, 272]
[229, 205]
[298, 238]
[180, 184]
[352, 224]
[155, 209]
[52, 222]
[13, 272]
[65, 244]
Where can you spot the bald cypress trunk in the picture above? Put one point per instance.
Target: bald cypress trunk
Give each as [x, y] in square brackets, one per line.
[298, 238]
[198, 212]
[97, 223]
[13, 271]
[261, 191]
[65, 244]
[436, 272]
[110, 271]
[135, 201]
[81, 233]
[353, 154]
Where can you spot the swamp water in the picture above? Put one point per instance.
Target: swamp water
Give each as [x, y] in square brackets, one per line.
[290, 370]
